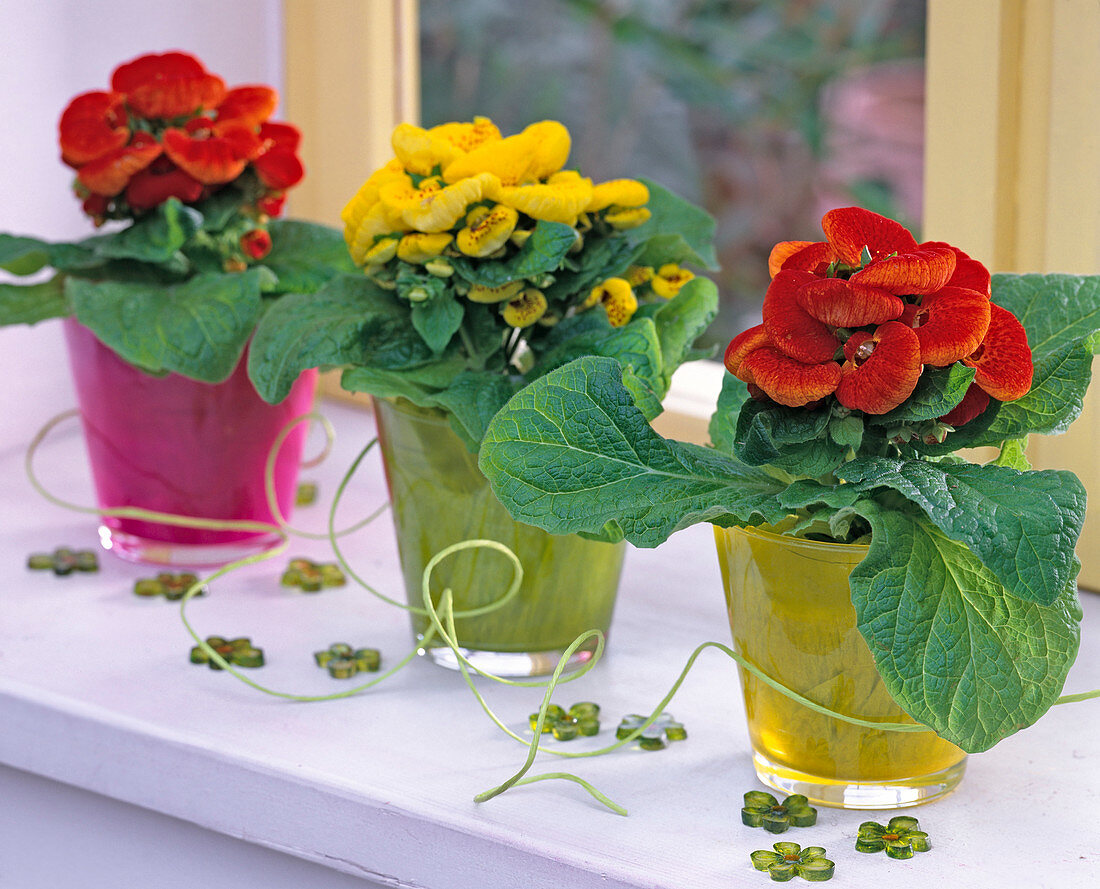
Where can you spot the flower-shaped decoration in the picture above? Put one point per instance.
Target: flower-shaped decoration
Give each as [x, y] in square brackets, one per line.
[342, 661]
[64, 561]
[789, 860]
[664, 728]
[310, 577]
[583, 718]
[172, 586]
[859, 317]
[168, 128]
[239, 652]
[900, 838]
[764, 810]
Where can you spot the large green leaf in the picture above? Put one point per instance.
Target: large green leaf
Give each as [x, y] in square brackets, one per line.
[197, 328]
[792, 439]
[437, 320]
[1055, 310]
[571, 453]
[600, 260]
[957, 652]
[155, 238]
[23, 256]
[682, 320]
[541, 253]
[472, 400]
[349, 321]
[1023, 526]
[305, 255]
[677, 231]
[31, 303]
[723, 422]
[938, 390]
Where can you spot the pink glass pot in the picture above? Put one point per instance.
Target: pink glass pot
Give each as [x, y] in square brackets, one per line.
[172, 444]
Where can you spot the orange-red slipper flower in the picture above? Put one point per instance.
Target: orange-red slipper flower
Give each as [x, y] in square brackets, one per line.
[813, 256]
[880, 370]
[792, 329]
[787, 381]
[93, 124]
[159, 182]
[851, 229]
[950, 324]
[973, 404]
[917, 272]
[110, 174]
[211, 159]
[969, 273]
[1003, 360]
[170, 85]
[279, 166]
[841, 303]
[741, 345]
[247, 106]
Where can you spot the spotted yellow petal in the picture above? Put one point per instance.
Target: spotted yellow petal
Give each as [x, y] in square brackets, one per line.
[420, 151]
[669, 279]
[467, 136]
[560, 199]
[620, 192]
[420, 247]
[526, 309]
[537, 152]
[479, 293]
[375, 223]
[551, 144]
[487, 230]
[637, 275]
[626, 217]
[618, 299]
[431, 206]
[367, 196]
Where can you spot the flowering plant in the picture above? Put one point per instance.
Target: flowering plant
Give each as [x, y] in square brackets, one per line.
[187, 178]
[488, 264]
[877, 360]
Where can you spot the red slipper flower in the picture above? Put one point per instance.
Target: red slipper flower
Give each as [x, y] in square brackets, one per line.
[93, 125]
[110, 174]
[792, 329]
[209, 158]
[159, 182]
[950, 324]
[841, 303]
[880, 370]
[278, 166]
[247, 106]
[973, 405]
[741, 345]
[1003, 360]
[167, 86]
[787, 381]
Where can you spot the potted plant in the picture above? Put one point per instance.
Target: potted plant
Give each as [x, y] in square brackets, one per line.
[186, 180]
[922, 605]
[487, 264]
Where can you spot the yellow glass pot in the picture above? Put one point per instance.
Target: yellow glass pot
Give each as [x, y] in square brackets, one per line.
[791, 615]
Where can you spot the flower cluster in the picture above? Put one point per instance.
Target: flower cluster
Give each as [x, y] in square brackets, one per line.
[860, 315]
[168, 128]
[459, 196]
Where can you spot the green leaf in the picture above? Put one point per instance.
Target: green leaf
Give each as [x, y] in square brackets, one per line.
[155, 238]
[1014, 455]
[847, 431]
[602, 258]
[723, 422]
[635, 345]
[31, 303]
[541, 253]
[23, 256]
[793, 439]
[954, 650]
[570, 452]
[1055, 400]
[938, 391]
[1055, 310]
[682, 320]
[437, 319]
[1023, 526]
[677, 231]
[197, 328]
[305, 256]
[349, 321]
[472, 400]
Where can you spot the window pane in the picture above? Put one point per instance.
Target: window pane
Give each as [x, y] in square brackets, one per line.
[767, 112]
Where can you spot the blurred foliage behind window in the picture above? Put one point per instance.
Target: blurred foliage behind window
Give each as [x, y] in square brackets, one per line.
[768, 113]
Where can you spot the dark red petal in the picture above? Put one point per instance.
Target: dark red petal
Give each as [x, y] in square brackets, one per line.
[841, 303]
[1003, 360]
[110, 174]
[790, 382]
[93, 125]
[279, 168]
[969, 273]
[915, 272]
[950, 324]
[850, 229]
[973, 404]
[152, 187]
[741, 345]
[887, 377]
[248, 106]
[285, 135]
[792, 329]
[167, 86]
[815, 257]
[211, 161]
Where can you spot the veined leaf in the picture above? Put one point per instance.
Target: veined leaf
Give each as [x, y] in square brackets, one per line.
[723, 422]
[305, 255]
[471, 401]
[1055, 310]
[792, 439]
[938, 391]
[31, 303]
[155, 238]
[1023, 526]
[682, 320]
[197, 328]
[541, 253]
[677, 231]
[953, 648]
[570, 453]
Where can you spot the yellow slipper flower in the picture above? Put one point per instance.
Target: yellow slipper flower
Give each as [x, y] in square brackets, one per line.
[526, 309]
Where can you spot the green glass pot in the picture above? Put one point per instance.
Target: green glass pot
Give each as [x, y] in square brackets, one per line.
[439, 497]
[791, 614]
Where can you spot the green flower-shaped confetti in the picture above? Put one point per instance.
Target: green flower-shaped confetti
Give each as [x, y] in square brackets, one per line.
[171, 586]
[764, 810]
[63, 561]
[900, 838]
[239, 652]
[664, 728]
[305, 494]
[790, 860]
[342, 661]
[311, 576]
[583, 718]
